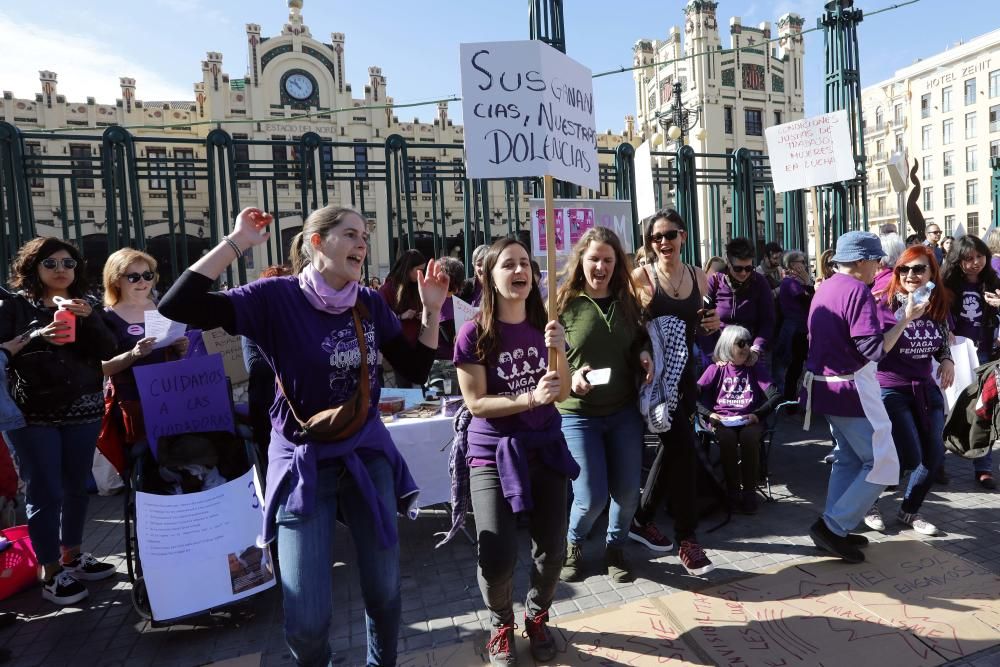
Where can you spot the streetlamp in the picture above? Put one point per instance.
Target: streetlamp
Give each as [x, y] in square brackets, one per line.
[677, 120]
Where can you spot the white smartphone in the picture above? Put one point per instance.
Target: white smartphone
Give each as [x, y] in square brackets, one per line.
[598, 376]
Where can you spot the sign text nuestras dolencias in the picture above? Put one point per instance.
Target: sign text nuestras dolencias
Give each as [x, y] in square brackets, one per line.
[528, 111]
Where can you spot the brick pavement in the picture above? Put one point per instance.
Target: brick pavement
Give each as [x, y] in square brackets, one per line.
[441, 602]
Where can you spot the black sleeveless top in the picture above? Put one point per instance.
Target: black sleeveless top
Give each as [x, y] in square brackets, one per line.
[683, 309]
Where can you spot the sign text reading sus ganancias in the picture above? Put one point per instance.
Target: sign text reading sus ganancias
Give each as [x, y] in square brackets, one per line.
[528, 111]
[812, 151]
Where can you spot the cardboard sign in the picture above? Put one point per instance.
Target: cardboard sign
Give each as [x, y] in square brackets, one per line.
[573, 217]
[199, 550]
[528, 111]
[645, 195]
[812, 151]
[217, 341]
[187, 396]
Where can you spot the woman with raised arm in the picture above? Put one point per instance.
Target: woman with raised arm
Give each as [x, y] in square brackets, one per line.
[330, 454]
[671, 287]
[517, 459]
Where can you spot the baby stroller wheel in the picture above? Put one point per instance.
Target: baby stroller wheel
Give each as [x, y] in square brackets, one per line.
[140, 600]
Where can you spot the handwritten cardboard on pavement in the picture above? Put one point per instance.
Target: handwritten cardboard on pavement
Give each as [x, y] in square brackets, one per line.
[187, 396]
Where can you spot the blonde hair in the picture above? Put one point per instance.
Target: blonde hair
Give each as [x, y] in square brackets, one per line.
[116, 266]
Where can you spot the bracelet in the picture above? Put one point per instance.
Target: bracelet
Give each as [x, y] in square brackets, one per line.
[531, 400]
[232, 244]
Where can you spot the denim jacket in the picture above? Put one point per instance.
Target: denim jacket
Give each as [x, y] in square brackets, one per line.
[10, 416]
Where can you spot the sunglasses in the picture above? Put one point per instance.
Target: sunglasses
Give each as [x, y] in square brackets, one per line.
[51, 263]
[136, 277]
[741, 269]
[669, 235]
[915, 269]
[742, 344]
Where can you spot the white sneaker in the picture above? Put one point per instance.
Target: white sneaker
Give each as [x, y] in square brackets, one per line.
[917, 523]
[63, 589]
[873, 519]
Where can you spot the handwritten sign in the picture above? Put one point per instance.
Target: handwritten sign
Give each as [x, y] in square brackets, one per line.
[528, 111]
[164, 330]
[463, 312]
[573, 217]
[187, 396]
[812, 151]
[217, 341]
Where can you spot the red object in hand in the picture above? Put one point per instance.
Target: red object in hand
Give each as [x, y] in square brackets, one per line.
[69, 335]
[261, 219]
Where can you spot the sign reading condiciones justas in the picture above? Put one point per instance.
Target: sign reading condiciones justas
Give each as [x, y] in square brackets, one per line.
[812, 151]
[528, 111]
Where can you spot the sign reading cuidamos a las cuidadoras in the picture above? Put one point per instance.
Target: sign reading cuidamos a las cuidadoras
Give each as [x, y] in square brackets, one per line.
[812, 151]
[528, 111]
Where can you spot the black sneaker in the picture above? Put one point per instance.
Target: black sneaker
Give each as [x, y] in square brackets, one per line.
[829, 541]
[854, 539]
[88, 568]
[649, 535]
[572, 569]
[63, 589]
[543, 646]
[618, 566]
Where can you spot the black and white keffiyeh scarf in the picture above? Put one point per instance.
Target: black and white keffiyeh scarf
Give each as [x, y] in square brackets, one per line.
[659, 399]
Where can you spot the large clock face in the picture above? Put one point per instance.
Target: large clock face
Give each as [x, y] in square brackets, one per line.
[299, 86]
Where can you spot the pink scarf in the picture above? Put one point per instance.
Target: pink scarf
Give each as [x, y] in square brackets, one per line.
[323, 297]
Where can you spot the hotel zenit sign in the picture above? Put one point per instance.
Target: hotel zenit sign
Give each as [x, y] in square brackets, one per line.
[957, 74]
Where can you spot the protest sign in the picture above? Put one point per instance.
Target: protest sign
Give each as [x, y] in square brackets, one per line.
[645, 195]
[199, 550]
[164, 330]
[463, 312]
[217, 341]
[528, 110]
[810, 152]
[573, 217]
[187, 396]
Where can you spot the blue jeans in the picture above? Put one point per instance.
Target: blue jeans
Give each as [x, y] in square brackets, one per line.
[609, 451]
[305, 554]
[55, 463]
[918, 434]
[983, 463]
[849, 496]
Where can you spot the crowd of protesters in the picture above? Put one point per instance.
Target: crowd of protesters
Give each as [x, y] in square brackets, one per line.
[557, 404]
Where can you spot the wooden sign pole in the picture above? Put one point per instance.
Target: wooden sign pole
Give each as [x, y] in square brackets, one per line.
[550, 256]
[817, 241]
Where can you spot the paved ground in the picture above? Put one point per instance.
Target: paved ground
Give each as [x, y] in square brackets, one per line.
[441, 602]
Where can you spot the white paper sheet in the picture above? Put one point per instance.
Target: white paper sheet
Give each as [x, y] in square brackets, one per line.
[164, 330]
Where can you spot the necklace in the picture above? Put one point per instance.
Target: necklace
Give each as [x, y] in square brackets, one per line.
[675, 288]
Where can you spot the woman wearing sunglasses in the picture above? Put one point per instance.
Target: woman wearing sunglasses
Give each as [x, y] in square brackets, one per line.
[736, 395]
[909, 392]
[971, 278]
[671, 287]
[57, 385]
[742, 296]
[129, 278]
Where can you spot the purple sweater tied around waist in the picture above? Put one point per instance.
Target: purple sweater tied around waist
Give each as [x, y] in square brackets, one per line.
[295, 468]
[512, 453]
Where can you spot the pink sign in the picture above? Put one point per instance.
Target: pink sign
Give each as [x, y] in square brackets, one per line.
[560, 225]
[580, 220]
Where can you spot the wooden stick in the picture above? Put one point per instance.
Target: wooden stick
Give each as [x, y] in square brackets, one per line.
[817, 242]
[550, 257]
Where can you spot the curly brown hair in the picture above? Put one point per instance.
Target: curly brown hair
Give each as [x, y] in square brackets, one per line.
[24, 268]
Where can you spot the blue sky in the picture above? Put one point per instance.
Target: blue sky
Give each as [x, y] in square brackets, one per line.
[161, 42]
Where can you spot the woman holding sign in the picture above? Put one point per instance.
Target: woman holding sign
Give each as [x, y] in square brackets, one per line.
[600, 310]
[517, 456]
[330, 454]
[56, 344]
[129, 278]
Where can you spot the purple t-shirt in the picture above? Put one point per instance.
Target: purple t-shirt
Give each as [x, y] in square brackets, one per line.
[751, 307]
[970, 314]
[734, 390]
[910, 359]
[521, 362]
[317, 352]
[790, 299]
[842, 310]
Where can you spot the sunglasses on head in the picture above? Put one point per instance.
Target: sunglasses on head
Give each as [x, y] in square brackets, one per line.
[136, 277]
[741, 269]
[51, 263]
[669, 235]
[915, 269]
[742, 344]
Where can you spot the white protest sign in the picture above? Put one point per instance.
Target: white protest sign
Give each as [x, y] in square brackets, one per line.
[528, 111]
[812, 151]
[463, 312]
[645, 197]
[573, 217]
[164, 330]
[199, 550]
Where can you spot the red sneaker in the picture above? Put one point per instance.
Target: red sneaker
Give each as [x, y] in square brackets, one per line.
[650, 536]
[543, 646]
[693, 558]
[501, 647]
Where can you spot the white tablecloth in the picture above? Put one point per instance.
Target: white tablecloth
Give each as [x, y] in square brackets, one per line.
[425, 443]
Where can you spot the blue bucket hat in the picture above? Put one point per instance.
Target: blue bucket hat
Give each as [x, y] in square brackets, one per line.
[856, 246]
